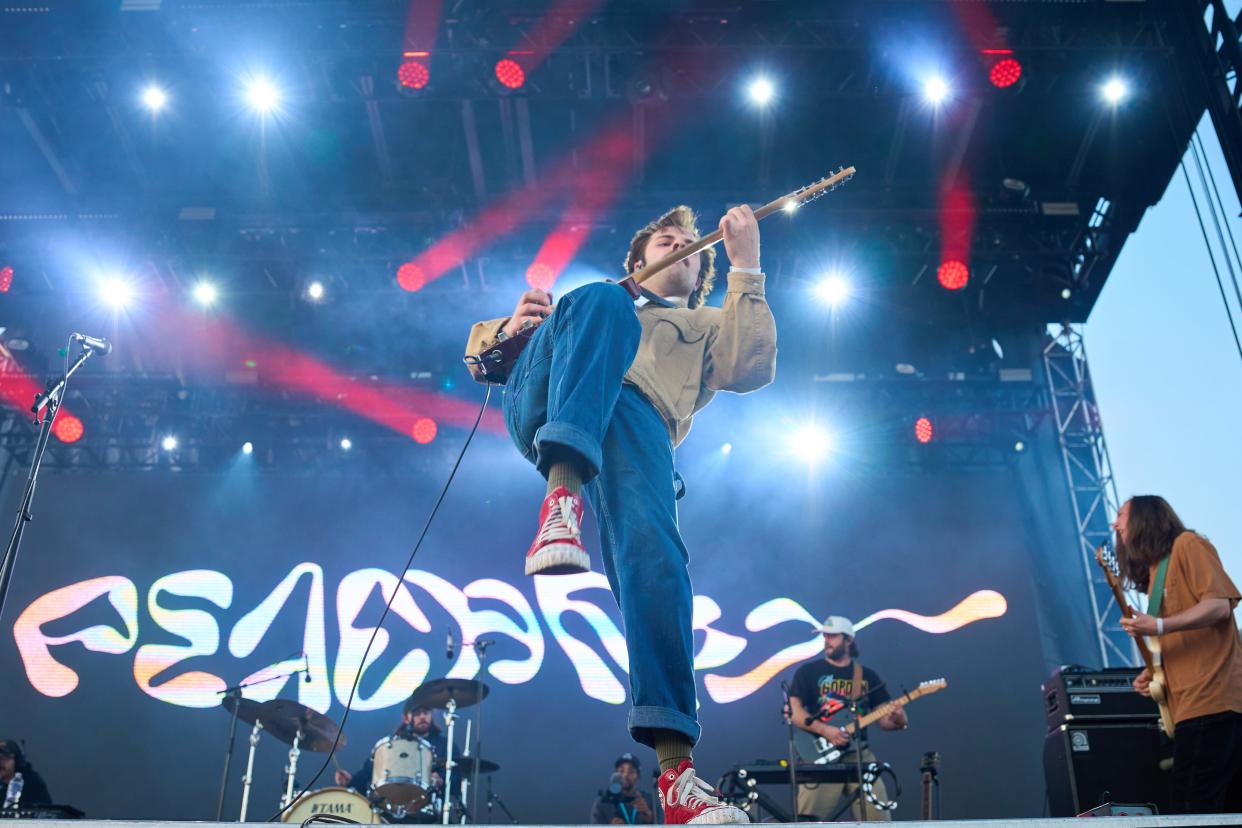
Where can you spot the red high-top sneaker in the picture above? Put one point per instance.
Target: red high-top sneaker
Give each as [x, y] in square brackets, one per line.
[688, 799]
[558, 549]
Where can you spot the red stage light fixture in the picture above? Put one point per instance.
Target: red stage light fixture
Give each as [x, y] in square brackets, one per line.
[68, 428]
[539, 275]
[952, 274]
[411, 277]
[923, 430]
[1005, 73]
[510, 73]
[413, 74]
[424, 430]
[6, 278]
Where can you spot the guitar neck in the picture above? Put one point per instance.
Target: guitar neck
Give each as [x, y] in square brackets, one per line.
[880, 712]
[1127, 611]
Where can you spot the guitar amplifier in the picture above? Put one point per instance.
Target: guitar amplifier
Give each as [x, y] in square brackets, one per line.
[1078, 694]
[1089, 763]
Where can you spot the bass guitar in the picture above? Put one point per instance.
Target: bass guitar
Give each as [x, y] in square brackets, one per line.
[818, 750]
[1149, 649]
[493, 365]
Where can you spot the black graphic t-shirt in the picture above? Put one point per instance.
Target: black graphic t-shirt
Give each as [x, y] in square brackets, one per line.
[825, 689]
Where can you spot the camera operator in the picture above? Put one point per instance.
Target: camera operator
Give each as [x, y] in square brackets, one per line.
[622, 803]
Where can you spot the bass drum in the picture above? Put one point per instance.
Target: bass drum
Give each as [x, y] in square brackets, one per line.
[342, 802]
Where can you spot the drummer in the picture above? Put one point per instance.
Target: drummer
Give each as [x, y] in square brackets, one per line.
[416, 723]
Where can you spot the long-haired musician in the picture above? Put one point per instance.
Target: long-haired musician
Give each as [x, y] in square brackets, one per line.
[597, 401]
[1192, 602]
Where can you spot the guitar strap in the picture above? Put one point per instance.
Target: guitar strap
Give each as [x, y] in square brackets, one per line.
[1155, 598]
[856, 684]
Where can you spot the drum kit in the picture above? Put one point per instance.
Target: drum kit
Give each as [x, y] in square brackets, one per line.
[408, 780]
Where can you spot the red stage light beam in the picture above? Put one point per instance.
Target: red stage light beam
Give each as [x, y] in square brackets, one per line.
[957, 229]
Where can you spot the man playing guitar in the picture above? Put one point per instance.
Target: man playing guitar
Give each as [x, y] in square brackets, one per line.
[1191, 600]
[598, 399]
[820, 698]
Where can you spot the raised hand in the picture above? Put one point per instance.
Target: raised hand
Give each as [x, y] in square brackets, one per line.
[534, 306]
[741, 236]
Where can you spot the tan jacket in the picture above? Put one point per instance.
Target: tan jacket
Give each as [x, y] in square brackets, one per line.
[685, 356]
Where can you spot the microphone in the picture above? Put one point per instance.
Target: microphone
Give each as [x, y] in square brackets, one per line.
[97, 344]
[306, 676]
[448, 648]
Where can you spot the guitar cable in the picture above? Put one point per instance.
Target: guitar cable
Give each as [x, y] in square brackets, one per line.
[353, 690]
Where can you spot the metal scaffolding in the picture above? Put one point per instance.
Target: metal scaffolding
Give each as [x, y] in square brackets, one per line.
[1089, 475]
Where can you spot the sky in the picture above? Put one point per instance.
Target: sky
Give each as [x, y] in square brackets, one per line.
[1167, 374]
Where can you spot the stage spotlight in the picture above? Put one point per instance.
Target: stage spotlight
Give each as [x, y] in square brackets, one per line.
[346, 444]
[424, 430]
[169, 443]
[410, 277]
[247, 447]
[811, 442]
[116, 292]
[952, 274]
[6, 278]
[935, 90]
[1019, 446]
[315, 291]
[1114, 91]
[205, 294]
[1066, 293]
[68, 428]
[923, 430]
[154, 98]
[761, 91]
[510, 73]
[833, 290]
[262, 95]
[413, 74]
[726, 449]
[1005, 73]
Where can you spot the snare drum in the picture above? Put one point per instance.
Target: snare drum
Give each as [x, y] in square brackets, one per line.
[341, 802]
[401, 774]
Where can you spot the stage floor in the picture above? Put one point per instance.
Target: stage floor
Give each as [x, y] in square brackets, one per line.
[1113, 822]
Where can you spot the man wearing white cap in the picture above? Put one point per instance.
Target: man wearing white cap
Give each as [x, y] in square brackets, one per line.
[820, 696]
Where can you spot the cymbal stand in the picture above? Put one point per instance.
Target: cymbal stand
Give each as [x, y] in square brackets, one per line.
[480, 647]
[450, 719]
[291, 770]
[249, 777]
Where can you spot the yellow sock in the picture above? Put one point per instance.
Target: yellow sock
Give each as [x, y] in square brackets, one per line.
[565, 474]
[671, 748]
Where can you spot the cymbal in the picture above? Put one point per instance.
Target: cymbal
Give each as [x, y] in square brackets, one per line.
[284, 718]
[465, 764]
[437, 693]
[248, 710]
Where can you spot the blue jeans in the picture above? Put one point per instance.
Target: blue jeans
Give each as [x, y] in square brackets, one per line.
[565, 395]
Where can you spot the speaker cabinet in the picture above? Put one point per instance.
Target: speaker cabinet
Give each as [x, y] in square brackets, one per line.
[1086, 764]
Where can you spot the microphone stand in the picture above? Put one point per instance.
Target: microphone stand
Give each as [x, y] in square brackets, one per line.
[495, 797]
[50, 400]
[787, 712]
[235, 692]
[480, 648]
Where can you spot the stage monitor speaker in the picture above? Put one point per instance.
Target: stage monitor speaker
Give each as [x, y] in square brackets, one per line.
[1086, 764]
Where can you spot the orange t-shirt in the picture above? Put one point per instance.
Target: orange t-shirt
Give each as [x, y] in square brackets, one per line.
[1203, 667]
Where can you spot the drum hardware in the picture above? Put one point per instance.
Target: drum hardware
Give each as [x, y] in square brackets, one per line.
[480, 646]
[247, 711]
[449, 694]
[450, 718]
[291, 770]
[249, 777]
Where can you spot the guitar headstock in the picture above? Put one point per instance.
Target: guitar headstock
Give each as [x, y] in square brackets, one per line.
[827, 184]
[1107, 559]
[929, 686]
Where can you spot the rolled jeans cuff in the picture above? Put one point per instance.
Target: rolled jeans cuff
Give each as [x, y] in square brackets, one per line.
[643, 720]
[567, 435]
